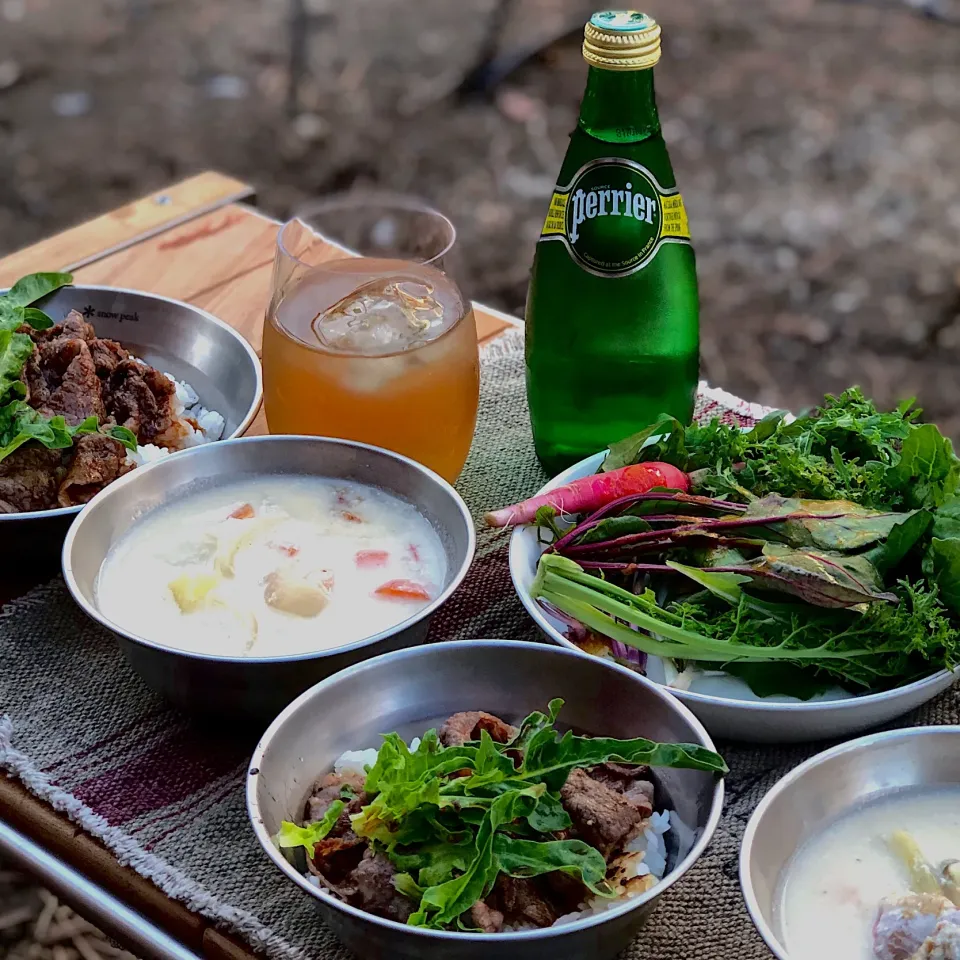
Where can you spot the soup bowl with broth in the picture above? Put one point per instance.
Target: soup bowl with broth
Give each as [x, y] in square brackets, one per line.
[853, 855]
[237, 575]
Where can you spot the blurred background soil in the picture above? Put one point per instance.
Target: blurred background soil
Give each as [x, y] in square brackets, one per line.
[817, 144]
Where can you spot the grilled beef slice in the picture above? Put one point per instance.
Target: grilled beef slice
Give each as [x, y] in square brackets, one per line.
[632, 781]
[29, 478]
[463, 727]
[140, 399]
[97, 461]
[373, 880]
[486, 918]
[522, 900]
[107, 356]
[62, 380]
[604, 817]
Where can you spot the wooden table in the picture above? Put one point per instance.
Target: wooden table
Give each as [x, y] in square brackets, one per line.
[199, 241]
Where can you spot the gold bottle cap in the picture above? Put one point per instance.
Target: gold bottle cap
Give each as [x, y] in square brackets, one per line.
[621, 40]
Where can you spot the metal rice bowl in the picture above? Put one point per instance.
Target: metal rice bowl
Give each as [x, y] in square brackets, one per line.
[413, 690]
[176, 338]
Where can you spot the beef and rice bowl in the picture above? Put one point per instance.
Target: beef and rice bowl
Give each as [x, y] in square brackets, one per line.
[485, 826]
[77, 410]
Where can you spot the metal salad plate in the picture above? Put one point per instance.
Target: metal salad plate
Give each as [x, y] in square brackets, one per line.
[176, 338]
[725, 704]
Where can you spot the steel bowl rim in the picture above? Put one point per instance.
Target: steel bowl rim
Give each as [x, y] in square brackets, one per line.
[783, 784]
[546, 933]
[94, 613]
[250, 416]
[706, 699]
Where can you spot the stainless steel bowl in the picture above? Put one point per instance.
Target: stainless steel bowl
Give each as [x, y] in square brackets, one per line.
[828, 785]
[175, 337]
[233, 687]
[414, 690]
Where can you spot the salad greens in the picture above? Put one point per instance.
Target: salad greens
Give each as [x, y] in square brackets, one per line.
[810, 551]
[451, 819]
[19, 422]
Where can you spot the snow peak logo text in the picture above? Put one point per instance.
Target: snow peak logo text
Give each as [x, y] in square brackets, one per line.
[614, 216]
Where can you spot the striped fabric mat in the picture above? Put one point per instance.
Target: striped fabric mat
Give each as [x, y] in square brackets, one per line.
[83, 733]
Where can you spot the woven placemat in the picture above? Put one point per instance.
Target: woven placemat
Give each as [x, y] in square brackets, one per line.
[83, 733]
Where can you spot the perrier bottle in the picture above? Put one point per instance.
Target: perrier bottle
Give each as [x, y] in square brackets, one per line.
[612, 313]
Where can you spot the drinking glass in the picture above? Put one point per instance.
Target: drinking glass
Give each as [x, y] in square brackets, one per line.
[366, 337]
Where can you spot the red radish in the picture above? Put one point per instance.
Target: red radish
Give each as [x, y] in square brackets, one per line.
[591, 493]
[371, 558]
[402, 590]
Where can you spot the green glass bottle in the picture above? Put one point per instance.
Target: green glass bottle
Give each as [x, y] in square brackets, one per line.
[612, 319]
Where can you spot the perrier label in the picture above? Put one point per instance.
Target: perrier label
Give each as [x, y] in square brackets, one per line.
[609, 187]
[613, 311]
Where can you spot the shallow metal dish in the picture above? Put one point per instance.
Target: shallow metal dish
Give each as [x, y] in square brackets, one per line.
[413, 690]
[828, 785]
[234, 687]
[728, 707]
[175, 337]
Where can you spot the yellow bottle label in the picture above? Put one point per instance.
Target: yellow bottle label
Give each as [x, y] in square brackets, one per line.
[614, 216]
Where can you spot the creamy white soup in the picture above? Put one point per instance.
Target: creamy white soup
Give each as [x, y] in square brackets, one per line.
[272, 566]
[836, 884]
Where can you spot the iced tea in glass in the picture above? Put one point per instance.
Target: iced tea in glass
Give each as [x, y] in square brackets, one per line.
[380, 348]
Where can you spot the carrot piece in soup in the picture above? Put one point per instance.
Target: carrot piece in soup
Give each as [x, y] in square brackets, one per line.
[351, 517]
[366, 559]
[244, 512]
[287, 549]
[402, 590]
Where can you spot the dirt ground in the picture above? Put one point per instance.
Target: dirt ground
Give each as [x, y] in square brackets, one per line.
[815, 141]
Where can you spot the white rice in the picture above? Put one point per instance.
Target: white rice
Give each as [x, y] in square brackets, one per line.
[187, 408]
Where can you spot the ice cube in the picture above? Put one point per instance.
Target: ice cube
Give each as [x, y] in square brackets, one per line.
[381, 316]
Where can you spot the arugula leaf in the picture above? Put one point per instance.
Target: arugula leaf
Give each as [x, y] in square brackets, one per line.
[530, 858]
[900, 541]
[443, 903]
[127, 437]
[625, 452]
[549, 816]
[609, 528]
[942, 565]
[927, 472]
[550, 761]
[291, 836]
[35, 287]
[36, 318]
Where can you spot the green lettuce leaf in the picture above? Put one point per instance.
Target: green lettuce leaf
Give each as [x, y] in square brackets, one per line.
[35, 287]
[291, 836]
[15, 350]
[928, 472]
